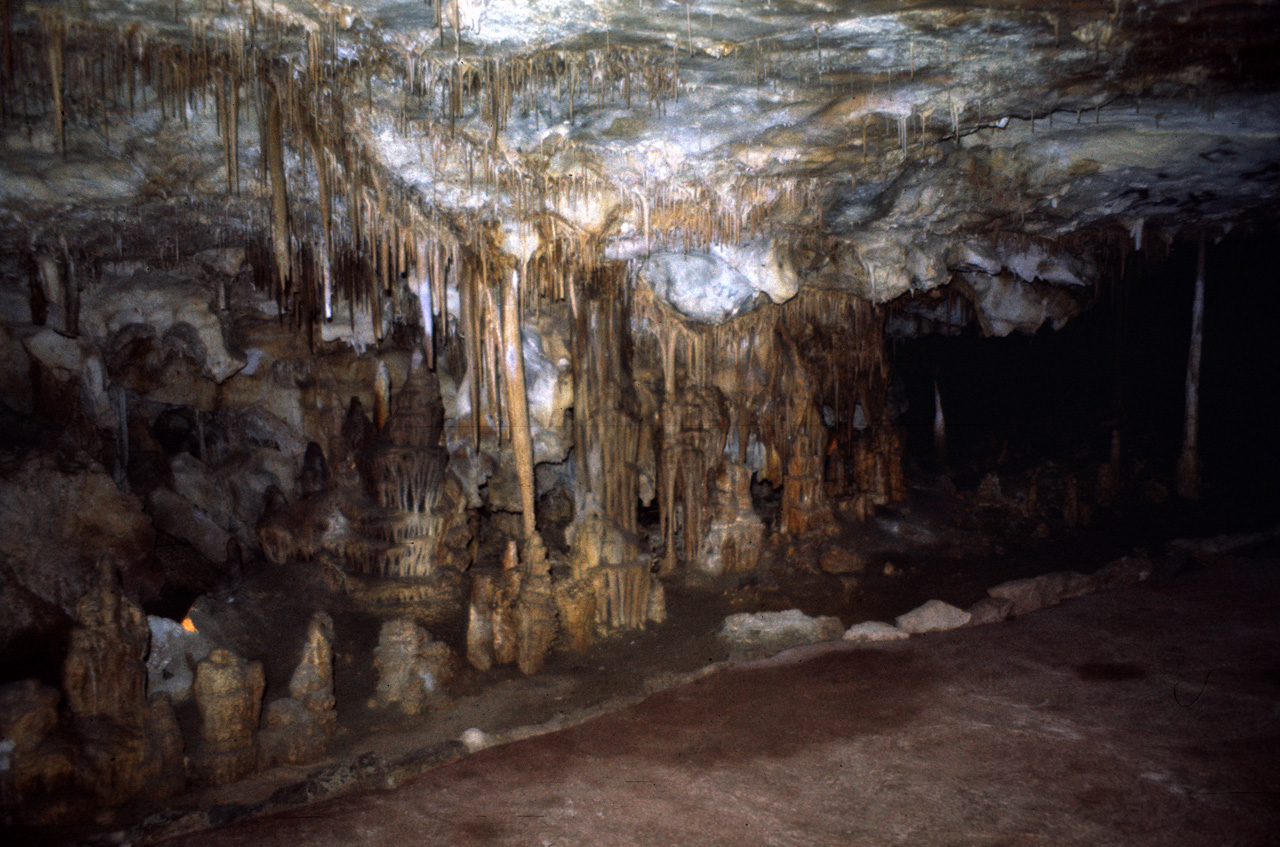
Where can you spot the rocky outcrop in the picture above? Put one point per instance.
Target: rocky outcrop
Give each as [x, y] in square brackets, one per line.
[298, 728]
[228, 692]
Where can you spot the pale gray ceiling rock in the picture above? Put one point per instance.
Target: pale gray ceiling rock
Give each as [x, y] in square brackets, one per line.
[725, 148]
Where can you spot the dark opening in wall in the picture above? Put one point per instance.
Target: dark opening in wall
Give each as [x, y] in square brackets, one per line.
[1013, 402]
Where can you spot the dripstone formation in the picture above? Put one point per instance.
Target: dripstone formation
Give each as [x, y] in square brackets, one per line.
[432, 339]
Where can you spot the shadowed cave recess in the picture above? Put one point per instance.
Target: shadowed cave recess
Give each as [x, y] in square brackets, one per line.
[380, 374]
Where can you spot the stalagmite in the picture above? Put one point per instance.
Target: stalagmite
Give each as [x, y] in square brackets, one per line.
[1188, 473]
[298, 728]
[228, 694]
[480, 618]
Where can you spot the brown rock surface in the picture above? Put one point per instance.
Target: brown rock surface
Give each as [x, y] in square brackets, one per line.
[71, 514]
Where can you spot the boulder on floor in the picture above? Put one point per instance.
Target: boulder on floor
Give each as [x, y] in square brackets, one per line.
[1039, 592]
[933, 616]
[990, 610]
[754, 634]
[871, 631]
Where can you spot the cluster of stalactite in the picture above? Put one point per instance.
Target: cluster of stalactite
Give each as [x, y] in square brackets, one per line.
[762, 382]
[339, 236]
[404, 469]
[391, 509]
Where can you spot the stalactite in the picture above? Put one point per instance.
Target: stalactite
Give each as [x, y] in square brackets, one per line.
[55, 41]
[381, 396]
[273, 153]
[1188, 470]
[939, 431]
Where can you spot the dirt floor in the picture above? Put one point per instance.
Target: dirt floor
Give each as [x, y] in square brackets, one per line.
[1138, 716]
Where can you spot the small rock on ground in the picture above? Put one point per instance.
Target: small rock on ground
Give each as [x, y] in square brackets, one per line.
[875, 631]
[754, 634]
[1039, 592]
[990, 610]
[933, 616]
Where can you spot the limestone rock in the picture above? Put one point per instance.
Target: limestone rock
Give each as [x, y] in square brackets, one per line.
[104, 675]
[536, 623]
[180, 518]
[70, 516]
[933, 616]
[733, 539]
[172, 658]
[480, 611]
[764, 633]
[169, 303]
[228, 694]
[298, 728]
[990, 610]
[28, 713]
[875, 631]
[109, 758]
[162, 773]
[608, 559]
[476, 739]
[1042, 591]
[657, 610]
[576, 603]
[15, 377]
[37, 767]
[411, 667]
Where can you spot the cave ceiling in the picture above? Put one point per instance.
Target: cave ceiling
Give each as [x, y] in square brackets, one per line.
[724, 150]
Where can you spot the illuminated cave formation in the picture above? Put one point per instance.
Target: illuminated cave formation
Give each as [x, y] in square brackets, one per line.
[500, 327]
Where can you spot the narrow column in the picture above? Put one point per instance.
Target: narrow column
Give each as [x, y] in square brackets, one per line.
[1188, 476]
[518, 411]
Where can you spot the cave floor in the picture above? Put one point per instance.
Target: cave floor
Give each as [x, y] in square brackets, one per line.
[930, 547]
[1143, 715]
